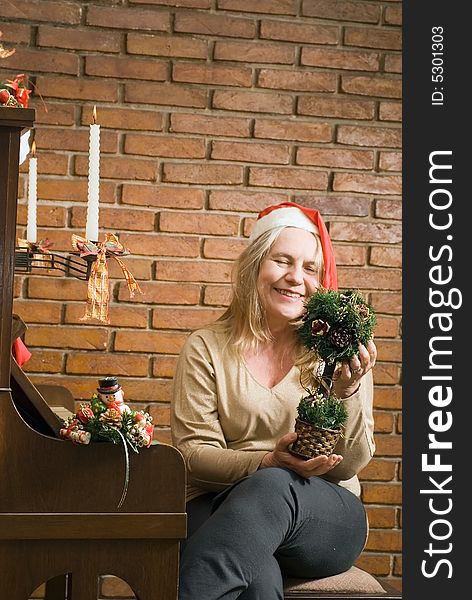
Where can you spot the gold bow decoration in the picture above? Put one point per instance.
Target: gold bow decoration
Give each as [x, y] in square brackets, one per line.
[98, 293]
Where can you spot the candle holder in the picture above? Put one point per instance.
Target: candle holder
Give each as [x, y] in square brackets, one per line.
[33, 257]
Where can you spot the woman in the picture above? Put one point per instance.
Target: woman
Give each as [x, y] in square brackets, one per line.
[255, 510]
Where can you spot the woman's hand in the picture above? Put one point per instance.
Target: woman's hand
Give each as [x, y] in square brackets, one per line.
[348, 375]
[281, 457]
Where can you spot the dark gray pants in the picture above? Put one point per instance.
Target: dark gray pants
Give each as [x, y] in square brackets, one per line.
[271, 522]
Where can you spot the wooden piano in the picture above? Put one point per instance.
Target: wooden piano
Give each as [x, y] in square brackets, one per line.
[58, 500]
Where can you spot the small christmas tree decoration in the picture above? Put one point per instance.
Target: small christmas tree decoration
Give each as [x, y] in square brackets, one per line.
[332, 327]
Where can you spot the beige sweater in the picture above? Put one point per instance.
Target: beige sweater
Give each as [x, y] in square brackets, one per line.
[224, 421]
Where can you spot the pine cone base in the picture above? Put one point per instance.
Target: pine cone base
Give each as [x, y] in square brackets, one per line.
[313, 440]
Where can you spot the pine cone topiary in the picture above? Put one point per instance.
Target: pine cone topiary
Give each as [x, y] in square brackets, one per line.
[339, 336]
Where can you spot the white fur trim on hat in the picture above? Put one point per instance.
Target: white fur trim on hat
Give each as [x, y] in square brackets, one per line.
[288, 216]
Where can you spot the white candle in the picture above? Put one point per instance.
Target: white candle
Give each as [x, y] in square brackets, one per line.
[32, 196]
[91, 228]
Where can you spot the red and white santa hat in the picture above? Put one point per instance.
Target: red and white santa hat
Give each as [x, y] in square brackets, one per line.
[290, 214]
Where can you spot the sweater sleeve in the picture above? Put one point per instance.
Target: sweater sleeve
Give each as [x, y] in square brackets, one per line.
[357, 445]
[196, 429]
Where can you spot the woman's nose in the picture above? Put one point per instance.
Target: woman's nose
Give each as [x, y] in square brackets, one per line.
[295, 275]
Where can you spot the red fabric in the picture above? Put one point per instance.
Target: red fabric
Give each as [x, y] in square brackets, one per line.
[330, 279]
[20, 352]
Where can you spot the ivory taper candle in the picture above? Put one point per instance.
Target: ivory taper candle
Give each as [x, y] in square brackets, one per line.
[91, 228]
[32, 196]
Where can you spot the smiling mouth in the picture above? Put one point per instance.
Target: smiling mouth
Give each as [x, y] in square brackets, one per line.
[288, 293]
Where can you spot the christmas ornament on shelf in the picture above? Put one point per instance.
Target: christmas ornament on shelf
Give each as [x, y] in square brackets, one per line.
[15, 92]
[331, 329]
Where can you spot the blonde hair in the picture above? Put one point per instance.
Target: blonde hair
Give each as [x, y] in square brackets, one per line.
[244, 320]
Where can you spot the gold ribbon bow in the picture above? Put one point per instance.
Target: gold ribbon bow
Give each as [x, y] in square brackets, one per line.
[98, 293]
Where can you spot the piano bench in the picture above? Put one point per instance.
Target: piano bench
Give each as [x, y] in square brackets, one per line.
[353, 584]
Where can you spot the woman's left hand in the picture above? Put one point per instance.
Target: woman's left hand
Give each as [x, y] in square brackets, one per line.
[348, 375]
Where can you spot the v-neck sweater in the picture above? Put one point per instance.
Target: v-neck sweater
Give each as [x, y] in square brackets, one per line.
[224, 421]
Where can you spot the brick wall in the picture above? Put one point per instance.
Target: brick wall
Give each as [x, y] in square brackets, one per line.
[210, 111]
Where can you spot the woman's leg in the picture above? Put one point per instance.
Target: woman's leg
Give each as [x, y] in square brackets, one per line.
[198, 511]
[313, 527]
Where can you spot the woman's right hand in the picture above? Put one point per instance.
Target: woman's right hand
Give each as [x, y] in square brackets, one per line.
[281, 457]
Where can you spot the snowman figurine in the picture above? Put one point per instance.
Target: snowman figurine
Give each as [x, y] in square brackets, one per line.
[111, 393]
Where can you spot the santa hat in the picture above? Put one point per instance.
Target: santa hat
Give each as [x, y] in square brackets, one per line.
[289, 214]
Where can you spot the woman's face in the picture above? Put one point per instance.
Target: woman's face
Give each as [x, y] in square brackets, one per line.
[288, 275]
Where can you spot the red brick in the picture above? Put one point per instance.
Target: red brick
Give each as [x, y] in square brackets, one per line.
[58, 114]
[281, 7]
[253, 102]
[116, 219]
[126, 68]
[16, 33]
[390, 111]
[160, 414]
[365, 232]
[305, 81]
[49, 163]
[168, 94]
[120, 168]
[378, 469]
[183, 270]
[165, 197]
[393, 63]
[373, 38]
[56, 289]
[212, 125]
[383, 422]
[390, 350]
[374, 564]
[36, 60]
[381, 493]
[350, 255]
[161, 244]
[299, 32]
[42, 10]
[387, 302]
[388, 209]
[372, 86]
[355, 206]
[112, 587]
[78, 88]
[73, 191]
[388, 397]
[164, 366]
[44, 361]
[386, 326]
[381, 517]
[393, 15]
[125, 118]
[78, 39]
[217, 295]
[173, 147]
[123, 364]
[180, 3]
[162, 293]
[384, 540]
[46, 216]
[128, 18]
[288, 178]
[386, 257]
[333, 157]
[388, 137]
[163, 435]
[184, 318]
[212, 24]
[397, 569]
[390, 161]
[254, 52]
[120, 316]
[85, 338]
[38, 312]
[211, 74]
[340, 59]
[399, 424]
[202, 173]
[371, 278]
[166, 45]
[198, 223]
[342, 10]
[386, 374]
[367, 184]
[244, 201]
[149, 341]
[336, 107]
[140, 267]
[289, 130]
[251, 152]
[74, 139]
[225, 248]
